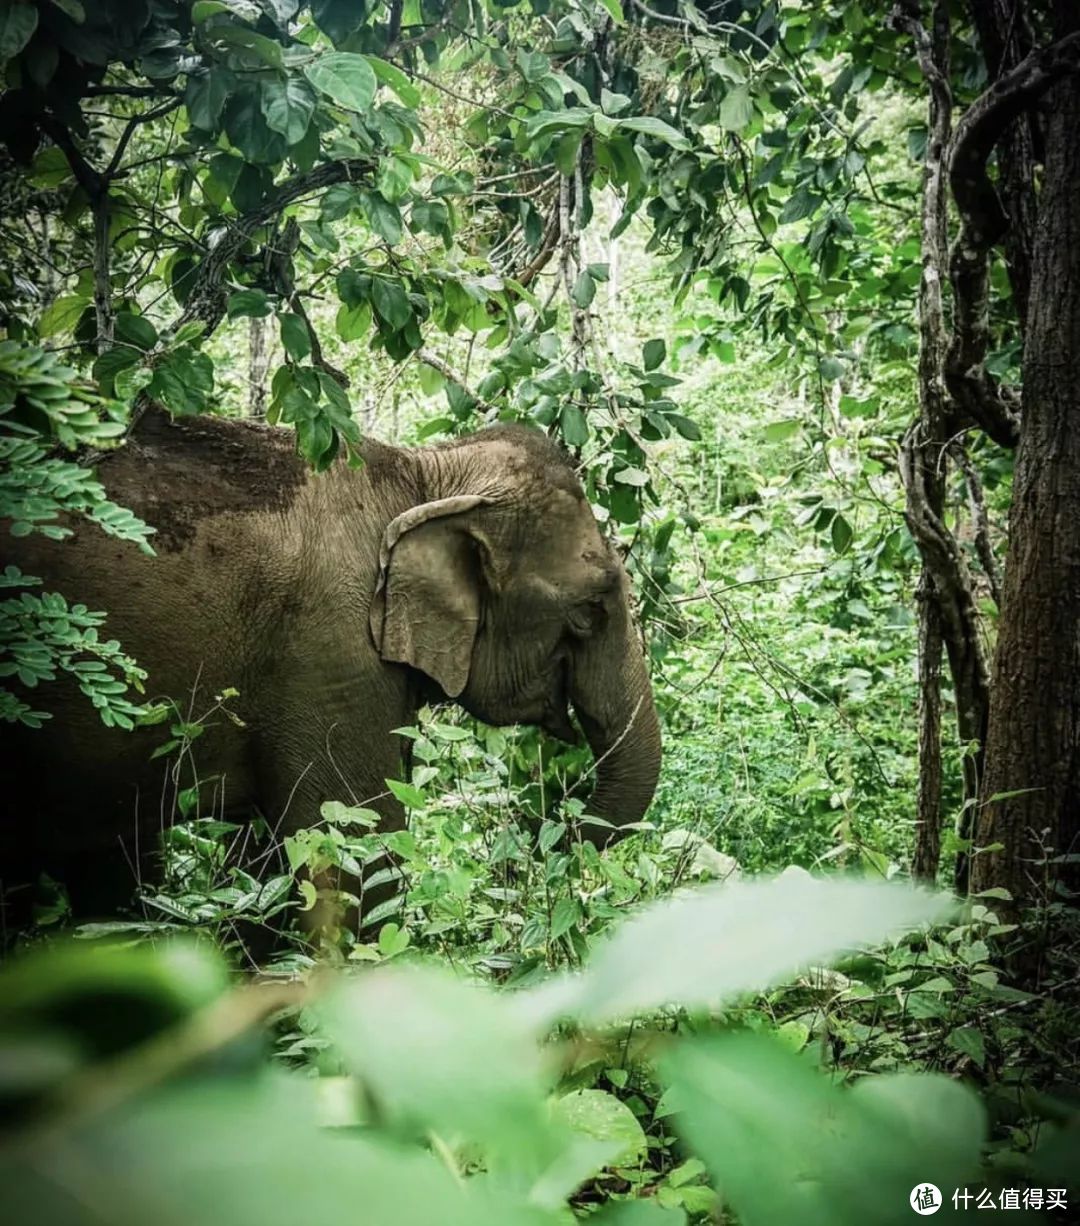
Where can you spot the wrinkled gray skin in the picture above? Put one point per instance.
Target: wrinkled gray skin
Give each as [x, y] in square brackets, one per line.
[335, 604]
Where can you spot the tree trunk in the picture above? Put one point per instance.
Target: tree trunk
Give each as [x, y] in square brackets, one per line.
[258, 366]
[926, 853]
[1031, 792]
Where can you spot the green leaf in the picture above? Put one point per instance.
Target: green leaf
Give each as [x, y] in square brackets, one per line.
[456, 1059]
[391, 75]
[62, 315]
[203, 10]
[831, 368]
[206, 95]
[841, 533]
[575, 429]
[649, 125]
[597, 1114]
[410, 797]
[747, 935]
[352, 322]
[131, 380]
[248, 130]
[393, 940]
[565, 152]
[383, 217]
[653, 354]
[73, 8]
[391, 303]
[348, 815]
[584, 290]
[632, 476]
[432, 382]
[393, 179]
[970, 1042]
[784, 1144]
[287, 107]
[785, 428]
[564, 916]
[136, 330]
[17, 25]
[616, 11]
[345, 78]
[295, 338]
[265, 50]
[188, 334]
[736, 110]
[50, 167]
[248, 302]
[251, 186]
[271, 1126]
[687, 428]
[645, 1212]
[800, 204]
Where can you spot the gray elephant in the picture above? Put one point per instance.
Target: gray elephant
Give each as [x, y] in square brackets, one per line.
[335, 604]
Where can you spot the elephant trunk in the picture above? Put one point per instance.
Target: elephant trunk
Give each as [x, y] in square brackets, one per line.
[612, 698]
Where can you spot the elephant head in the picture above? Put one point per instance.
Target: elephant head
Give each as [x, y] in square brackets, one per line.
[500, 588]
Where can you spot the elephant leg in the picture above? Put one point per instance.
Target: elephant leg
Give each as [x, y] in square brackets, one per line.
[296, 783]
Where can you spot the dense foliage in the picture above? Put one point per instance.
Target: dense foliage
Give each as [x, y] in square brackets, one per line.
[689, 242]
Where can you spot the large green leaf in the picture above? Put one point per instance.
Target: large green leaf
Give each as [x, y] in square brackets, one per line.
[250, 302]
[287, 107]
[454, 1059]
[206, 95]
[338, 18]
[653, 354]
[248, 130]
[391, 74]
[18, 21]
[62, 314]
[383, 216]
[737, 109]
[295, 338]
[707, 947]
[345, 78]
[393, 178]
[649, 125]
[597, 1114]
[786, 1144]
[227, 1152]
[391, 302]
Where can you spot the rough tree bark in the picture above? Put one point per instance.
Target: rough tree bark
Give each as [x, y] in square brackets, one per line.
[258, 367]
[1032, 781]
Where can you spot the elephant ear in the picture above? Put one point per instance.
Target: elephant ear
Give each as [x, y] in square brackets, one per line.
[426, 606]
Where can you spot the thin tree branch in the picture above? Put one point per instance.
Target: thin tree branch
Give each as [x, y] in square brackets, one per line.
[125, 91]
[129, 130]
[453, 376]
[397, 45]
[206, 302]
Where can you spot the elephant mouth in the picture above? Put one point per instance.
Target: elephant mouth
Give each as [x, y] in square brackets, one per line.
[556, 717]
[558, 724]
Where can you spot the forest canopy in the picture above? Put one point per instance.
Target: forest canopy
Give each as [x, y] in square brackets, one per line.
[795, 289]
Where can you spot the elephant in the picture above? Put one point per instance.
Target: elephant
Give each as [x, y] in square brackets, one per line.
[335, 604]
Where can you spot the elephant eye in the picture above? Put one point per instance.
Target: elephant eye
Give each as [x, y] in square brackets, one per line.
[587, 617]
